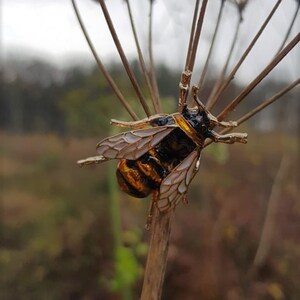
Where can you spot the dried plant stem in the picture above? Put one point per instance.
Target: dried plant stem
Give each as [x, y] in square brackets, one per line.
[142, 61]
[266, 103]
[230, 107]
[192, 34]
[186, 75]
[260, 107]
[101, 67]
[204, 71]
[269, 223]
[196, 38]
[161, 222]
[157, 256]
[212, 97]
[151, 60]
[124, 59]
[245, 54]
[290, 28]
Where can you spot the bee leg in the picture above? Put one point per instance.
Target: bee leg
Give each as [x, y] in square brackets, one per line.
[150, 212]
[91, 160]
[154, 120]
[229, 138]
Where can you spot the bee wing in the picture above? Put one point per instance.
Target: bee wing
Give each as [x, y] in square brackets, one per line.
[175, 185]
[132, 144]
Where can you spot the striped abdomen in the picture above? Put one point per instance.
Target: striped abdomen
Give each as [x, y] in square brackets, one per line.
[139, 178]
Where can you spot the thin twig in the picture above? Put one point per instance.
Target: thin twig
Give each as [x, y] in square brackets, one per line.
[189, 51]
[191, 62]
[231, 106]
[260, 107]
[141, 60]
[212, 98]
[269, 223]
[266, 103]
[101, 67]
[151, 60]
[161, 222]
[124, 59]
[290, 28]
[204, 71]
[245, 54]
[186, 75]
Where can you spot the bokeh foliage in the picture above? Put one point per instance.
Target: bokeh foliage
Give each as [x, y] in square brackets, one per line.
[56, 234]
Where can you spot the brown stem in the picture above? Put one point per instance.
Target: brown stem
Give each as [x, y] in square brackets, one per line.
[188, 55]
[204, 71]
[212, 100]
[123, 58]
[245, 54]
[102, 68]
[152, 66]
[266, 103]
[230, 107]
[142, 61]
[195, 42]
[191, 55]
[260, 107]
[269, 224]
[290, 28]
[157, 255]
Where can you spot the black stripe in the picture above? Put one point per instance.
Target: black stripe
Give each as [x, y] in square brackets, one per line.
[148, 159]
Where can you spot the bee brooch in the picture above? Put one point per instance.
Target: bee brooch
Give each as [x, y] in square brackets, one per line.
[160, 155]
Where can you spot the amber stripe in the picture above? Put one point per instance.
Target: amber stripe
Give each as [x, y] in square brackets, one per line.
[188, 129]
[131, 181]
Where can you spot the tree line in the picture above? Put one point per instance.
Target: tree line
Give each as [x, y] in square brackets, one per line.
[38, 97]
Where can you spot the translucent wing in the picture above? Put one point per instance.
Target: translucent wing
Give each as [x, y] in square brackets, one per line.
[175, 185]
[132, 144]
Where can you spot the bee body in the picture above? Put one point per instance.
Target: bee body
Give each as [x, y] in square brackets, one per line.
[161, 155]
[140, 177]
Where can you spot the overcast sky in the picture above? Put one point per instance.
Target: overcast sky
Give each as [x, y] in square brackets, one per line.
[48, 29]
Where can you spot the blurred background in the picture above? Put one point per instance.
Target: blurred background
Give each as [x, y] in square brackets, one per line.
[68, 233]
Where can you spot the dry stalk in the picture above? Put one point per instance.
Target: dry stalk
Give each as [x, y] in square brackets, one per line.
[192, 34]
[151, 60]
[260, 107]
[124, 59]
[225, 84]
[142, 62]
[157, 256]
[101, 67]
[212, 99]
[205, 68]
[231, 106]
[195, 41]
[265, 242]
[266, 103]
[290, 28]
[161, 222]
[191, 53]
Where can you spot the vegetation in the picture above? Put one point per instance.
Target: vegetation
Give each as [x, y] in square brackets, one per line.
[57, 240]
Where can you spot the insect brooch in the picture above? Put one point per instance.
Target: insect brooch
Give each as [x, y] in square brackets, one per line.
[161, 154]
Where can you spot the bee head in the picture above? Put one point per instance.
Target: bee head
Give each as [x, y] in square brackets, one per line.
[198, 119]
